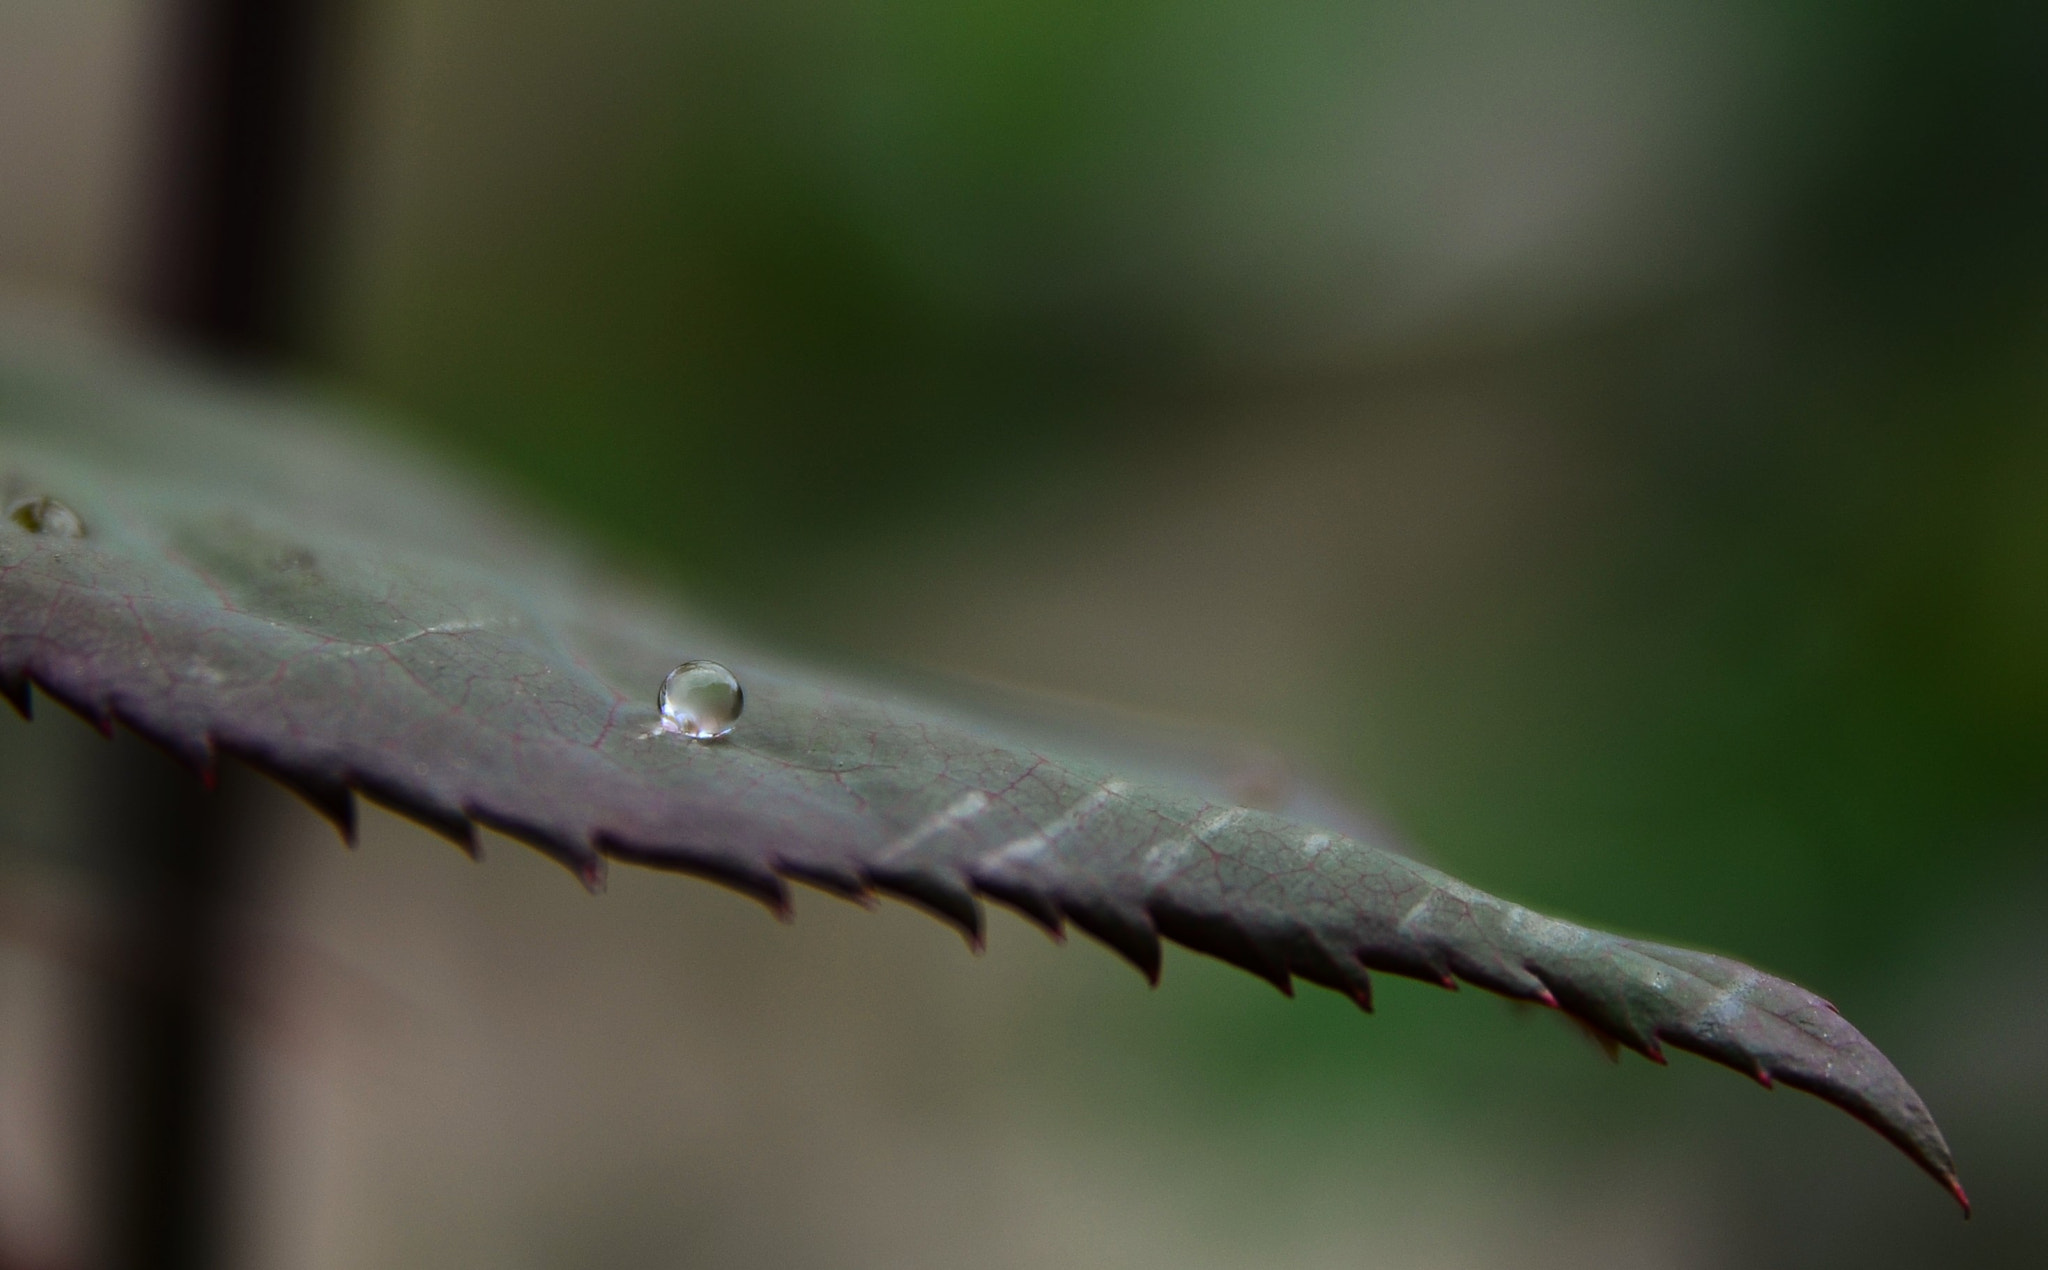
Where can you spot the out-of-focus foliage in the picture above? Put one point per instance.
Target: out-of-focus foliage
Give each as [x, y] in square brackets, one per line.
[872, 262]
[1717, 328]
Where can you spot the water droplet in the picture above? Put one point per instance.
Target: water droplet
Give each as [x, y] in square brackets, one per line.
[40, 515]
[701, 700]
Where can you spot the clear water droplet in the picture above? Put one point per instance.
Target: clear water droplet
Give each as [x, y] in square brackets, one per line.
[40, 515]
[701, 700]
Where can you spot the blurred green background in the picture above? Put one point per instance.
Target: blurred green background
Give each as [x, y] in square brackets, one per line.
[1605, 439]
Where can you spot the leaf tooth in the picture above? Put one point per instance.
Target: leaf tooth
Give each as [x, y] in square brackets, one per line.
[1126, 929]
[1010, 888]
[324, 794]
[1404, 957]
[570, 850]
[415, 805]
[194, 753]
[1471, 936]
[97, 714]
[1577, 990]
[1716, 1045]
[834, 877]
[1498, 976]
[1312, 957]
[744, 875]
[1543, 995]
[1217, 932]
[1611, 1019]
[937, 889]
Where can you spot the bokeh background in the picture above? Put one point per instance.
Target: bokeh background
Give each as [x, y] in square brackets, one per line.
[1604, 439]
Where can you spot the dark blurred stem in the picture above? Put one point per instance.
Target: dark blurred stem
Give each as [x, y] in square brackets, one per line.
[178, 853]
[244, 90]
[224, 270]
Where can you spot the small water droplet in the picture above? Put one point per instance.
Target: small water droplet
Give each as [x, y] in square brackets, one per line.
[41, 515]
[701, 700]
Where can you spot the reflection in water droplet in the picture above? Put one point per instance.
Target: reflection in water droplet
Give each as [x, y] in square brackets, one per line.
[701, 700]
[40, 515]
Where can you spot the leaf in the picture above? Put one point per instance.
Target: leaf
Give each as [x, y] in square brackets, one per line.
[236, 575]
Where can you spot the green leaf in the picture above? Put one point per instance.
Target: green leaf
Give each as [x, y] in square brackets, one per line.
[233, 574]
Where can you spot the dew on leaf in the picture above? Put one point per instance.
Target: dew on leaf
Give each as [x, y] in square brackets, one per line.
[701, 700]
[42, 515]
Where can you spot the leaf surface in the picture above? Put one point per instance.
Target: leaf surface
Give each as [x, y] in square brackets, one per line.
[229, 573]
